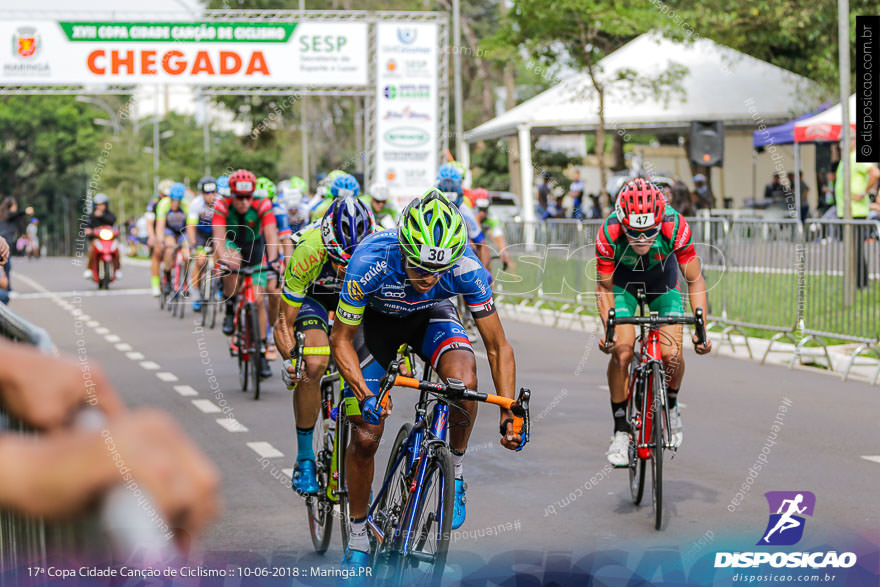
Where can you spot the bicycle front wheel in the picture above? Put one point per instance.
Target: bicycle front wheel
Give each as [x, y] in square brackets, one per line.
[424, 562]
[658, 432]
[255, 351]
[637, 465]
[319, 507]
[242, 341]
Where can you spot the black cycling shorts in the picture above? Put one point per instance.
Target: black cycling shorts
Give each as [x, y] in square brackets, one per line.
[429, 332]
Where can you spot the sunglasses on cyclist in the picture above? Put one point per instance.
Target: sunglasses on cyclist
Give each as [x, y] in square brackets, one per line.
[243, 196]
[647, 234]
[424, 272]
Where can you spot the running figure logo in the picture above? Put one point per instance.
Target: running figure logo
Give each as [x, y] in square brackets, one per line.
[786, 525]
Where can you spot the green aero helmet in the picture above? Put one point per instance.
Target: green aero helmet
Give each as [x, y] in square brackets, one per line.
[432, 232]
[265, 188]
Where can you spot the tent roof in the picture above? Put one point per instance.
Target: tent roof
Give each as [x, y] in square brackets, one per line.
[784, 133]
[720, 84]
[825, 126]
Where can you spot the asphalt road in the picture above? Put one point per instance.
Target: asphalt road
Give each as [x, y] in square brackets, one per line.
[544, 508]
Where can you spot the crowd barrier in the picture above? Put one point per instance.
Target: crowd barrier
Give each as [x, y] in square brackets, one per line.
[775, 277]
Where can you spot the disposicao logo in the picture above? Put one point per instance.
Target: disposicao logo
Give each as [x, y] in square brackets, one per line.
[786, 528]
[787, 508]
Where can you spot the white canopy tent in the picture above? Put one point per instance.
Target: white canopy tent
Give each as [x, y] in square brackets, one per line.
[720, 84]
[825, 126]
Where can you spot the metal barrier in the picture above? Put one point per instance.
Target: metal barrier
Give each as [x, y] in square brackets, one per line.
[826, 313]
[119, 525]
[23, 540]
[774, 275]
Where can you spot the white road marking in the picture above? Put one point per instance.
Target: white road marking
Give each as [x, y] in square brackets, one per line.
[123, 346]
[166, 376]
[112, 338]
[232, 425]
[102, 330]
[265, 450]
[149, 365]
[185, 390]
[44, 294]
[93, 323]
[206, 406]
[135, 356]
[872, 458]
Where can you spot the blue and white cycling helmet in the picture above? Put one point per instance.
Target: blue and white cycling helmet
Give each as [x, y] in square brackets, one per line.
[177, 191]
[345, 186]
[449, 182]
[223, 186]
[346, 223]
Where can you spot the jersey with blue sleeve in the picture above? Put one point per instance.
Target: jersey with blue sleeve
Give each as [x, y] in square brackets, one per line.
[280, 213]
[475, 232]
[375, 277]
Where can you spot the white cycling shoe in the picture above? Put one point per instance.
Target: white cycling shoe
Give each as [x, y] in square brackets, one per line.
[618, 451]
[675, 426]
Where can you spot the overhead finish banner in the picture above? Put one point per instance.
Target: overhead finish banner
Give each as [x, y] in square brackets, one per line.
[211, 52]
[407, 105]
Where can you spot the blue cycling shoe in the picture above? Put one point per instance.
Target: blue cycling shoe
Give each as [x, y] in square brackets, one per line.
[459, 512]
[197, 306]
[305, 481]
[357, 566]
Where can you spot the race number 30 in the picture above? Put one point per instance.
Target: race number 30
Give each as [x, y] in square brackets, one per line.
[435, 255]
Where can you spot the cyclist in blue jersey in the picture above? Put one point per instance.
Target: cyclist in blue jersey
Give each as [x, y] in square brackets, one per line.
[449, 181]
[398, 284]
[199, 232]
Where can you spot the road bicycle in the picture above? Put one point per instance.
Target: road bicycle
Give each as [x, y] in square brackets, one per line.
[179, 283]
[322, 506]
[647, 407]
[410, 518]
[247, 340]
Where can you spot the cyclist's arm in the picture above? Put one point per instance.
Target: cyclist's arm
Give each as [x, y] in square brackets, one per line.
[346, 357]
[604, 295]
[501, 360]
[160, 227]
[483, 253]
[501, 243]
[192, 219]
[284, 336]
[218, 228]
[696, 284]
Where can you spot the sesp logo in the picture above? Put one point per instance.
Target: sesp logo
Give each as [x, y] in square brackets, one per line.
[786, 524]
[407, 35]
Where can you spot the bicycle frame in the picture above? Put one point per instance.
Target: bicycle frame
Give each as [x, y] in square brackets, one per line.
[643, 376]
[436, 432]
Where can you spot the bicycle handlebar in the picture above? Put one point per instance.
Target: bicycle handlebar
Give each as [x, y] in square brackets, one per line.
[653, 320]
[250, 270]
[301, 351]
[455, 389]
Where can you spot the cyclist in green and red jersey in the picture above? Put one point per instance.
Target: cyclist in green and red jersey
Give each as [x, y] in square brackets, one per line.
[245, 229]
[634, 249]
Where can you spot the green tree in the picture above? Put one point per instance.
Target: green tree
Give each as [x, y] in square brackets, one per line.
[581, 33]
[797, 35]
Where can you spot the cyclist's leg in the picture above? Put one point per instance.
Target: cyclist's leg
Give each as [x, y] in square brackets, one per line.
[230, 282]
[169, 244]
[184, 247]
[625, 304]
[669, 304]
[155, 260]
[200, 259]
[311, 320]
[382, 335]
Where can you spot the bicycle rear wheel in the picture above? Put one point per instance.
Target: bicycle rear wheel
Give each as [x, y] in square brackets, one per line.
[658, 430]
[636, 465]
[255, 351]
[343, 432]
[319, 507]
[432, 523]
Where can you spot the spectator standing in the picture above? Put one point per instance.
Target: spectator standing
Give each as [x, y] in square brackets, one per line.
[680, 198]
[543, 195]
[576, 191]
[826, 194]
[10, 230]
[805, 193]
[4, 281]
[595, 209]
[704, 198]
[774, 191]
[863, 179]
